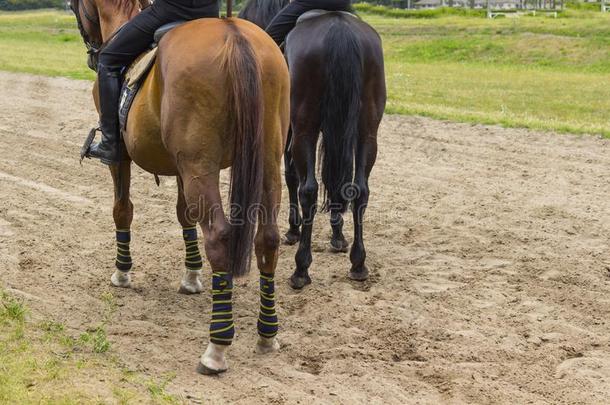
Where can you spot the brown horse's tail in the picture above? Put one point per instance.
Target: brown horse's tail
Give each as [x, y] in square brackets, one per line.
[246, 113]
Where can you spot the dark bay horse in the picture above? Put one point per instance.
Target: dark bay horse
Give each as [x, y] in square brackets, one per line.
[337, 89]
[216, 97]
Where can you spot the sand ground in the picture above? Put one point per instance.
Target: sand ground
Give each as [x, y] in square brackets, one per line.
[488, 250]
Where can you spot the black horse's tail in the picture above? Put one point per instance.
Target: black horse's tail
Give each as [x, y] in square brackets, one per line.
[340, 111]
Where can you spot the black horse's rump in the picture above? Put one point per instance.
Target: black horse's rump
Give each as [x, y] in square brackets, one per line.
[340, 111]
[261, 12]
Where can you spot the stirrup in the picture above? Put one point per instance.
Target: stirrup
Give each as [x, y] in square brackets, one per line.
[84, 152]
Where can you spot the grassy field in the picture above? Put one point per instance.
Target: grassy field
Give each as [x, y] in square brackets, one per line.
[534, 72]
[41, 363]
[44, 42]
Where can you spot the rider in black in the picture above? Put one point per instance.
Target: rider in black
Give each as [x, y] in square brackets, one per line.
[129, 42]
[286, 19]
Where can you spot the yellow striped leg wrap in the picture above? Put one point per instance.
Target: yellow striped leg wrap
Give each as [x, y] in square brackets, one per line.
[222, 329]
[267, 317]
[123, 256]
[193, 259]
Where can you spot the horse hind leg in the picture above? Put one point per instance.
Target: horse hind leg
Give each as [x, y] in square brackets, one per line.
[304, 153]
[205, 204]
[292, 182]
[191, 282]
[267, 243]
[123, 216]
[366, 154]
[365, 159]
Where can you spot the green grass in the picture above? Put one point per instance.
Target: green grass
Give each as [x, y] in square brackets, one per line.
[534, 72]
[41, 363]
[42, 42]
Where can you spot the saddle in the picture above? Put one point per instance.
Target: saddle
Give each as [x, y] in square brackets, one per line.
[311, 14]
[138, 71]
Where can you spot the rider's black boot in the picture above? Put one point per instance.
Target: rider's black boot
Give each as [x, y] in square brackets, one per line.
[108, 150]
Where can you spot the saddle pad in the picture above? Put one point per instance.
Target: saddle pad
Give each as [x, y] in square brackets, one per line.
[318, 13]
[134, 77]
[140, 67]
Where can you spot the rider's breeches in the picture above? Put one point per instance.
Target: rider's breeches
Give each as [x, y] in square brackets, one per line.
[286, 19]
[138, 34]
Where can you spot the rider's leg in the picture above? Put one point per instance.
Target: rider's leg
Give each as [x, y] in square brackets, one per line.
[129, 42]
[287, 18]
[285, 21]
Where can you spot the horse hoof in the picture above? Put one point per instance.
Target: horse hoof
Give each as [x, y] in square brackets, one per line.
[292, 237]
[298, 282]
[267, 345]
[189, 289]
[213, 361]
[359, 275]
[121, 279]
[338, 245]
[191, 283]
[204, 370]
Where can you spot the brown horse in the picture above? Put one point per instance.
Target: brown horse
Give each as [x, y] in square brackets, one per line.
[337, 89]
[216, 97]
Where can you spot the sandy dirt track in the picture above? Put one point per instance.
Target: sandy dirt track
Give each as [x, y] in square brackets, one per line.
[489, 253]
